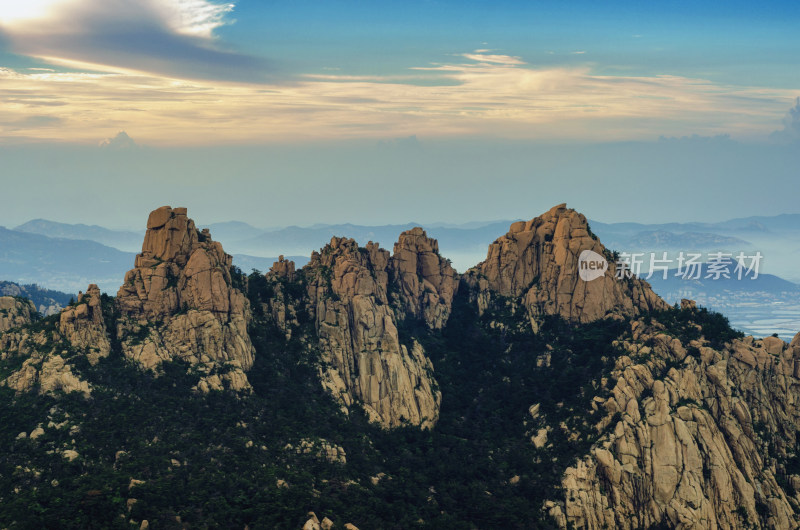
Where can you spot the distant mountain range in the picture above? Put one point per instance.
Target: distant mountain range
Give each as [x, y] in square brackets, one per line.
[300, 240]
[56, 263]
[47, 301]
[666, 240]
[122, 240]
[67, 256]
[754, 224]
[675, 287]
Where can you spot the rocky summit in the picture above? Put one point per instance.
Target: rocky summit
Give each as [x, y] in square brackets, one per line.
[537, 261]
[378, 389]
[15, 312]
[179, 302]
[348, 290]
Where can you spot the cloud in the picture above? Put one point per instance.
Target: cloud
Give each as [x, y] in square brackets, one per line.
[791, 126]
[167, 37]
[120, 141]
[484, 57]
[35, 121]
[696, 139]
[471, 96]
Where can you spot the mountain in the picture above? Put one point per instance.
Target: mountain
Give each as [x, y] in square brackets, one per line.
[765, 305]
[46, 301]
[707, 285]
[231, 231]
[662, 239]
[248, 263]
[466, 246]
[119, 239]
[777, 223]
[63, 264]
[382, 389]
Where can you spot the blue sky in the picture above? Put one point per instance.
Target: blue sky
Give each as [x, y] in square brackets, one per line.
[569, 71]
[314, 98]
[718, 40]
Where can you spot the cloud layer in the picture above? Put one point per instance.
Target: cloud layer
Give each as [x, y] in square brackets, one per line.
[791, 125]
[480, 95]
[167, 37]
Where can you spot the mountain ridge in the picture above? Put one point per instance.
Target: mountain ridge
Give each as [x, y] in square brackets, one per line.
[578, 401]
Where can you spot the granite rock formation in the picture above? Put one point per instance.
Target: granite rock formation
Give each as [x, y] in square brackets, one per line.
[15, 312]
[537, 262]
[363, 356]
[423, 282]
[697, 437]
[178, 302]
[84, 327]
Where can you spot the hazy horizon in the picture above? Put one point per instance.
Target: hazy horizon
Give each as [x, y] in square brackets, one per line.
[334, 112]
[694, 179]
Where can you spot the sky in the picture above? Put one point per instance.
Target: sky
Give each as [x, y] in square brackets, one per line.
[301, 112]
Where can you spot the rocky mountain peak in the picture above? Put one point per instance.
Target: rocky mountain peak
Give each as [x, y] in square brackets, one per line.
[179, 301]
[179, 268]
[425, 283]
[83, 325]
[15, 312]
[365, 360]
[283, 268]
[538, 261]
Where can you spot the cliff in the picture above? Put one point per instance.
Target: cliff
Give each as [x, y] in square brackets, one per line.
[178, 302]
[537, 263]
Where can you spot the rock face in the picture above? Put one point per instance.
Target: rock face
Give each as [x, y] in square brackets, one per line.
[179, 302]
[83, 325]
[538, 261]
[44, 369]
[15, 312]
[357, 331]
[283, 268]
[423, 282]
[47, 375]
[700, 438]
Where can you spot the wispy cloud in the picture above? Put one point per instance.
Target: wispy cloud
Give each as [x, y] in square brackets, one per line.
[485, 57]
[482, 94]
[791, 125]
[166, 37]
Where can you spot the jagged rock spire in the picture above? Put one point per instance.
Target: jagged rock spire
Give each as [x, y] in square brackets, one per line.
[181, 288]
[538, 261]
[365, 360]
[424, 282]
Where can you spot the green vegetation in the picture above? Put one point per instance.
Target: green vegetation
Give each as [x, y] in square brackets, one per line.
[214, 460]
[686, 324]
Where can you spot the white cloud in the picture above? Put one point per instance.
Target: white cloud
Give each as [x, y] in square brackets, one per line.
[190, 17]
[168, 37]
[194, 17]
[473, 96]
[120, 141]
[484, 57]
